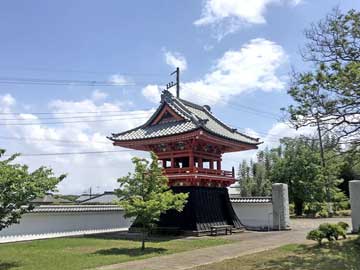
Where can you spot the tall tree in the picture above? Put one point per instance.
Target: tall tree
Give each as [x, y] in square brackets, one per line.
[299, 166]
[254, 178]
[246, 182]
[145, 194]
[18, 187]
[328, 96]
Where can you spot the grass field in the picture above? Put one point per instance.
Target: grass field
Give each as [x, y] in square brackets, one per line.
[89, 252]
[343, 255]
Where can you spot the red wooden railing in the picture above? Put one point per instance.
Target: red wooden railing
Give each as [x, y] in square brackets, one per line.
[198, 170]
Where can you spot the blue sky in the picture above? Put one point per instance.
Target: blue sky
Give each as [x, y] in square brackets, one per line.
[236, 55]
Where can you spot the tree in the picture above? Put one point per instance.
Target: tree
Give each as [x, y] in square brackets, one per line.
[246, 182]
[146, 194]
[328, 96]
[299, 166]
[254, 178]
[18, 187]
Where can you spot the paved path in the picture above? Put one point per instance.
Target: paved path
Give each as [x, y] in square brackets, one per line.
[246, 243]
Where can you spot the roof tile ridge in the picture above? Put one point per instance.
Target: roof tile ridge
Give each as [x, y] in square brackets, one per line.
[91, 198]
[209, 114]
[179, 103]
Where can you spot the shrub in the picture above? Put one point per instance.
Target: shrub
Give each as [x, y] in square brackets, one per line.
[292, 209]
[338, 231]
[333, 231]
[343, 225]
[343, 213]
[316, 235]
[317, 209]
[329, 231]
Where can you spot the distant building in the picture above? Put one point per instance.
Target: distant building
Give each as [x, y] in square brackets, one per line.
[108, 197]
[85, 197]
[50, 199]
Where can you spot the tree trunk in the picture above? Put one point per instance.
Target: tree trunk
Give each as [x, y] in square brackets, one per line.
[299, 207]
[143, 238]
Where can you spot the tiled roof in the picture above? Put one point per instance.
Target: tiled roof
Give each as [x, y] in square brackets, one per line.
[165, 129]
[251, 200]
[194, 117]
[49, 198]
[83, 197]
[74, 208]
[106, 198]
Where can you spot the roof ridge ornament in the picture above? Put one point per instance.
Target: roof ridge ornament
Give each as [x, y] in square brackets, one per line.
[165, 94]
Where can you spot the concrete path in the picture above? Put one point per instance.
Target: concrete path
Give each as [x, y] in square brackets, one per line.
[246, 243]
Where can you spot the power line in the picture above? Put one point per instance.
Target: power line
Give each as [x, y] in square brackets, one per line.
[238, 106]
[60, 81]
[75, 117]
[243, 107]
[61, 113]
[71, 153]
[66, 82]
[272, 138]
[52, 140]
[61, 70]
[72, 122]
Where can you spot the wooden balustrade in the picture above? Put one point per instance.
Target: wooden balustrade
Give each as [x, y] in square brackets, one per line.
[199, 170]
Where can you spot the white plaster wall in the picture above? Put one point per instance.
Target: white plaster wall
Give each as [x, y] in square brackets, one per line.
[254, 215]
[59, 222]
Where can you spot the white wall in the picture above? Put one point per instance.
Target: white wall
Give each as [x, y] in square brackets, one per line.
[354, 187]
[254, 215]
[60, 222]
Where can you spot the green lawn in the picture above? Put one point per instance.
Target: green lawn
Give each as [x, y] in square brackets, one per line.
[343, 255]
[89, 252]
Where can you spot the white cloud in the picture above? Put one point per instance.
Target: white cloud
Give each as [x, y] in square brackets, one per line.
[208, 47]
[175, 59]
[253, 67]
[281, 130]
[83, 134]
[7, 100]
[98, 95]
[119, 79]
[152, 92]
[229, 15]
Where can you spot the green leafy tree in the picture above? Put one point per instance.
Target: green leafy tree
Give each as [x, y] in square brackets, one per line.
[254, 178]
[18, 187]
[246, 182]
[328, 96]
[299, 166]
[146, 195]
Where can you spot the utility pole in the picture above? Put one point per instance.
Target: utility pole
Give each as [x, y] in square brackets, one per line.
[171, 84]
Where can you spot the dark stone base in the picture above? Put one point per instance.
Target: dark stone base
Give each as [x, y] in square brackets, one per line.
[206, 207]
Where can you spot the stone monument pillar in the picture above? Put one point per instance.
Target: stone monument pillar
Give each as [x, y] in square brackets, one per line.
[280, 200]
[354, 187]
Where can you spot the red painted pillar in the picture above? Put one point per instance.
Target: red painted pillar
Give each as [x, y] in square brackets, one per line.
[200, 161]
[218, 165]
[191, 161]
